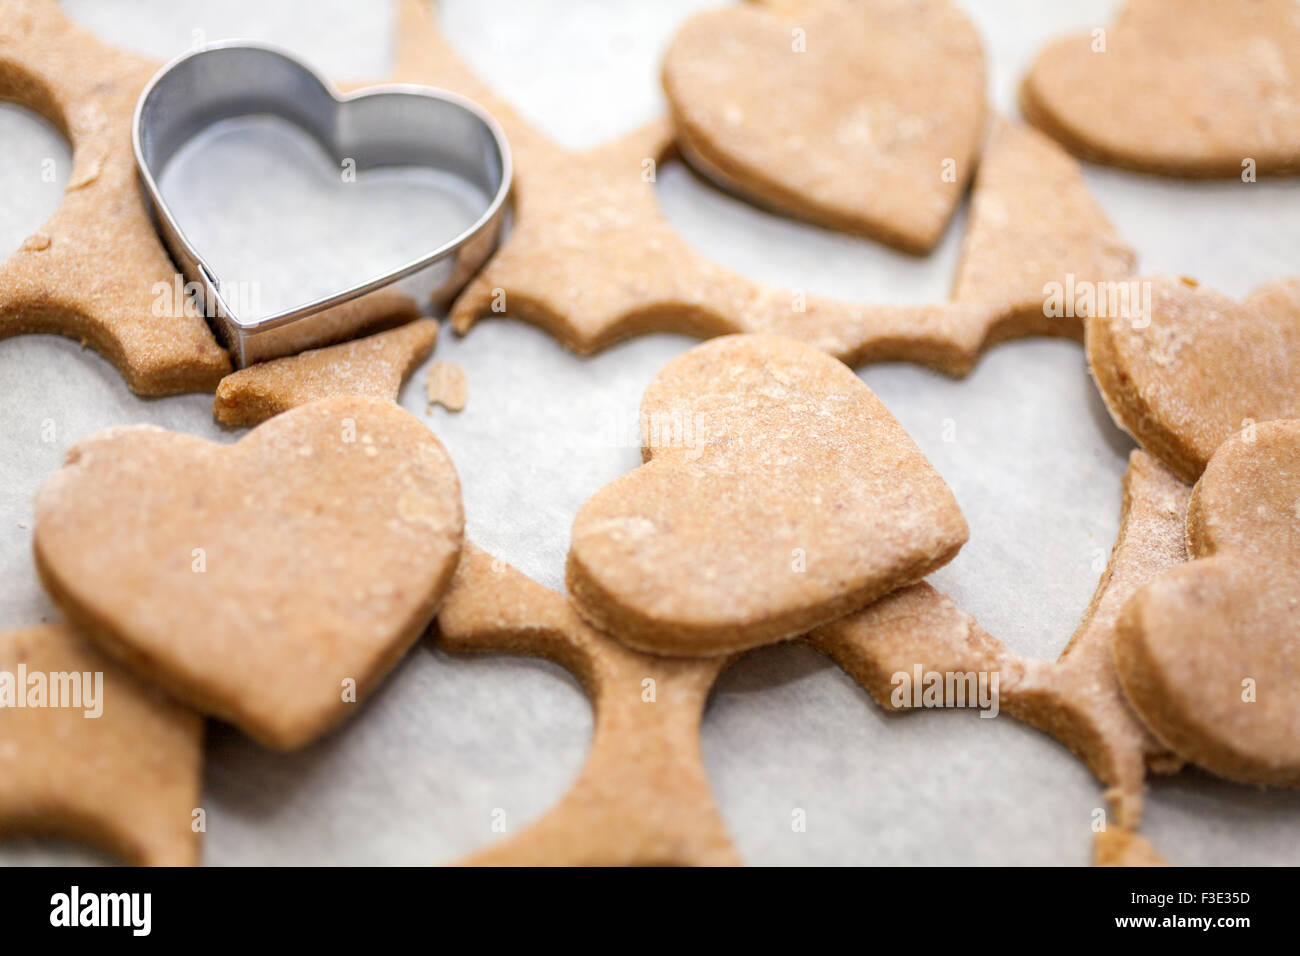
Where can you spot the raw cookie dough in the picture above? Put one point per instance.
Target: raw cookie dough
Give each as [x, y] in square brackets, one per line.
[778, 493]
[1076, 698]
[445, 386]
[91, 271]
[1209, 653]
[1179, 87]
[864, 117]
[592, 260]
[271, 583]
[643, 797]
[376, 365]
[1199, 367]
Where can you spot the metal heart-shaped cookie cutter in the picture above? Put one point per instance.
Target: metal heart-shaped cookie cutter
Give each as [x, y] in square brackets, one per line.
[393, 125]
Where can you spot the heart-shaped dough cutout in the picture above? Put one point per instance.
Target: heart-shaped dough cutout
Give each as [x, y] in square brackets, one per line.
[864, 117]
[1180, 87]
[1209, 653]
[271, 583]
[778, 493]
[1194, 367]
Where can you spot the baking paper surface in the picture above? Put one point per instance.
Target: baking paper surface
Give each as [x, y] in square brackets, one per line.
[1024, 441]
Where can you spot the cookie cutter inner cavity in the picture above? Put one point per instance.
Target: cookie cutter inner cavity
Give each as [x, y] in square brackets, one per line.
[390, 125]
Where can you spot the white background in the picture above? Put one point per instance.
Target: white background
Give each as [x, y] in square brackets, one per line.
[1036, 466]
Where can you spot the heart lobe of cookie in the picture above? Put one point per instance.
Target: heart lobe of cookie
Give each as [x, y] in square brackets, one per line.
[1199, 367]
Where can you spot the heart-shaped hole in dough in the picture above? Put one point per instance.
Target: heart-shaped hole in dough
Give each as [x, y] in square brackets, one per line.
[32, 179]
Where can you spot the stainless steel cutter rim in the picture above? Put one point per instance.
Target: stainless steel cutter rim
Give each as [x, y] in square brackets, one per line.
[210, 280]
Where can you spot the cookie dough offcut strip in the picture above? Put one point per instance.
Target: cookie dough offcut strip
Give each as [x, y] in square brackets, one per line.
[373, 366]
[91, 275]
[1209, 652]
[1077, 698]
[643, 797]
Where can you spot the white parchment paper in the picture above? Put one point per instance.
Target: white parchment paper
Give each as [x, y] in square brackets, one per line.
[1033, 459]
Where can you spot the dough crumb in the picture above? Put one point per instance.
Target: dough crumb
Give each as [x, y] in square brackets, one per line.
[445, 386]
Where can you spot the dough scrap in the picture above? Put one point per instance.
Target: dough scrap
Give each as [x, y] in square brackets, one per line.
[92, 271]
[445, 386]
[643, 797]
[1034, 229]
[1117, 846]
[1076, 698]
[376, 366]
